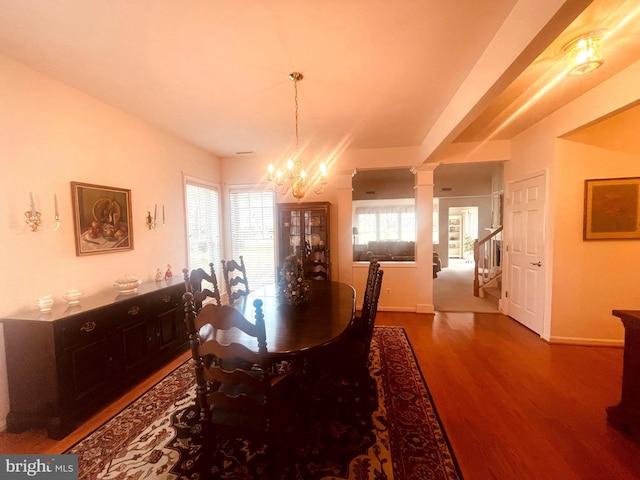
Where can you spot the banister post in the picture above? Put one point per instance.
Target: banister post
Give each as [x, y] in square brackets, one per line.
[476, 255]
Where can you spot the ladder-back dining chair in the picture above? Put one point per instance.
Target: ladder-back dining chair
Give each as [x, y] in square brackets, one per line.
[347, 362]
[239, 389]
[316, 265]
[360, 321]
[235, 279]
[369, 319]
[193, 283]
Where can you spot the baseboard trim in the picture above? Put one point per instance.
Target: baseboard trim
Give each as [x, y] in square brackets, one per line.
[426, 308]
[587, 342]
[390, 308]
[418, 309]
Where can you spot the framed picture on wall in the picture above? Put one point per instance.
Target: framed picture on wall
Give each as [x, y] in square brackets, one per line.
[102, 219]
[612, 209]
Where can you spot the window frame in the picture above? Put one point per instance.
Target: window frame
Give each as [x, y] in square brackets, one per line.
[216, 257]
[229, 234]
[380, 205]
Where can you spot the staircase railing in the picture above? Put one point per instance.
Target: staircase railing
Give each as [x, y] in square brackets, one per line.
[487, 255]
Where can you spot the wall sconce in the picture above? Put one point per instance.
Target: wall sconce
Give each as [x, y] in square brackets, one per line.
[151, 221]
[33, 218]
[584, 54]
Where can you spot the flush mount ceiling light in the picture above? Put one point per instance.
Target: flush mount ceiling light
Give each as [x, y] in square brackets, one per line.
[294, 178]
[584, 54]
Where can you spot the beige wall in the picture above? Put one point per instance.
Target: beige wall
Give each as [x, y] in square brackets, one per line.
[590, 278]
[577, 304]
[51, 135]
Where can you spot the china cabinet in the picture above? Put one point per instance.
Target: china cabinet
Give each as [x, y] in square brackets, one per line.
[302, 228]
[64, 364]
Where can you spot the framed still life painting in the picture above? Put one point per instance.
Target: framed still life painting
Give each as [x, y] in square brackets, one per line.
[102, 219]
[612, 209]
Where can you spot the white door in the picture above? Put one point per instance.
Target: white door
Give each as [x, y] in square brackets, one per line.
[525, 292]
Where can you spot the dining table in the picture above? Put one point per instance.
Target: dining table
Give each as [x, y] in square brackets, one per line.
[298, 330]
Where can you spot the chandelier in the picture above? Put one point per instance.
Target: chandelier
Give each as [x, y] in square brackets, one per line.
[294, 178]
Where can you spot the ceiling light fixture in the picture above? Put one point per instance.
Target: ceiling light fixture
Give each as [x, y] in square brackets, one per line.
[584, 54]
[294, 178]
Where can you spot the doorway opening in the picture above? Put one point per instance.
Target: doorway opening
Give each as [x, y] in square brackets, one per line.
[469, 192]
[463, 231]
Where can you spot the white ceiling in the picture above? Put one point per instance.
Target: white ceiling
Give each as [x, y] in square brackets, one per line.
[617, 132]
[377, 73]
[543, 86]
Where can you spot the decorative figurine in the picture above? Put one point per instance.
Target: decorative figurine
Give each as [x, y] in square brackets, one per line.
[168, 274]
[158, 275]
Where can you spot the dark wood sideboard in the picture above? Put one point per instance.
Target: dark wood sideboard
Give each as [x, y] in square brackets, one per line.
[626, 415]
[64, 365]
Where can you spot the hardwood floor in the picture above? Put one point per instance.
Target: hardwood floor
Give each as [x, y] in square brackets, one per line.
[513, 406]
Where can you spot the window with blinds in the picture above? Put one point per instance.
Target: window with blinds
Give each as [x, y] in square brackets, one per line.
[203, 225]
[252, 220]
[382, 221]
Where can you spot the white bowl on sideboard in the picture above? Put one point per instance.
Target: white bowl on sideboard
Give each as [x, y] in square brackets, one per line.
[73, 296]
[45, 303]
[127, 284]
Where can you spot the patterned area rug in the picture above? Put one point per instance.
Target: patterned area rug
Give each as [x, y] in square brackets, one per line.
[390, 431]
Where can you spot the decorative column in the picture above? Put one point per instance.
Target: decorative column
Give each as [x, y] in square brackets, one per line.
[424, 237]
[344, 192]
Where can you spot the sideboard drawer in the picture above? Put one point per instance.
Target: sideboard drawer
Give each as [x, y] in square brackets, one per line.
[83, 331]
[136, 307]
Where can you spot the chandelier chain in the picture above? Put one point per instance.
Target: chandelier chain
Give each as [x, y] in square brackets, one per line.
[295, 86]
[294, 179]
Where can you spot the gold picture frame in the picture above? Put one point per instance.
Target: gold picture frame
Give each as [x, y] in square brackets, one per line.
[102, 219]
[612, 209]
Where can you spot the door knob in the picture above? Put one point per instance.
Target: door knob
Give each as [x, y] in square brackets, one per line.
[537, 264]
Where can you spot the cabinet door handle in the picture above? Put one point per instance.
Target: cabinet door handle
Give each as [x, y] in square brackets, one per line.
[134, 310]
[88, 326]
[166, 298]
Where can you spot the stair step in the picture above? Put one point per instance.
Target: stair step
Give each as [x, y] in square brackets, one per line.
[494, 292]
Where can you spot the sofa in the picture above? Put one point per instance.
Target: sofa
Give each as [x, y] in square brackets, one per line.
[437, 264]
[391, 250]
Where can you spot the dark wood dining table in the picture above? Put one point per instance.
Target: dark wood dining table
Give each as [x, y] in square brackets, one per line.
[296, 330]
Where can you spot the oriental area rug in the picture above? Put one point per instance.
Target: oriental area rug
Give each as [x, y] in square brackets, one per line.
[389, 430]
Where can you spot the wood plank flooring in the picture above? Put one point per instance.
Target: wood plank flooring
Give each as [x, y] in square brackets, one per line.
[513, 406]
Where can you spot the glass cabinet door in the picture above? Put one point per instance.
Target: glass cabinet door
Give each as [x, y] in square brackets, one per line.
[290, 233]
[303, 228]
[315, 234]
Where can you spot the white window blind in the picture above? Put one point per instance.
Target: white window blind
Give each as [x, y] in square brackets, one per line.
[252, 234]
[203, 225]
[389, 222]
